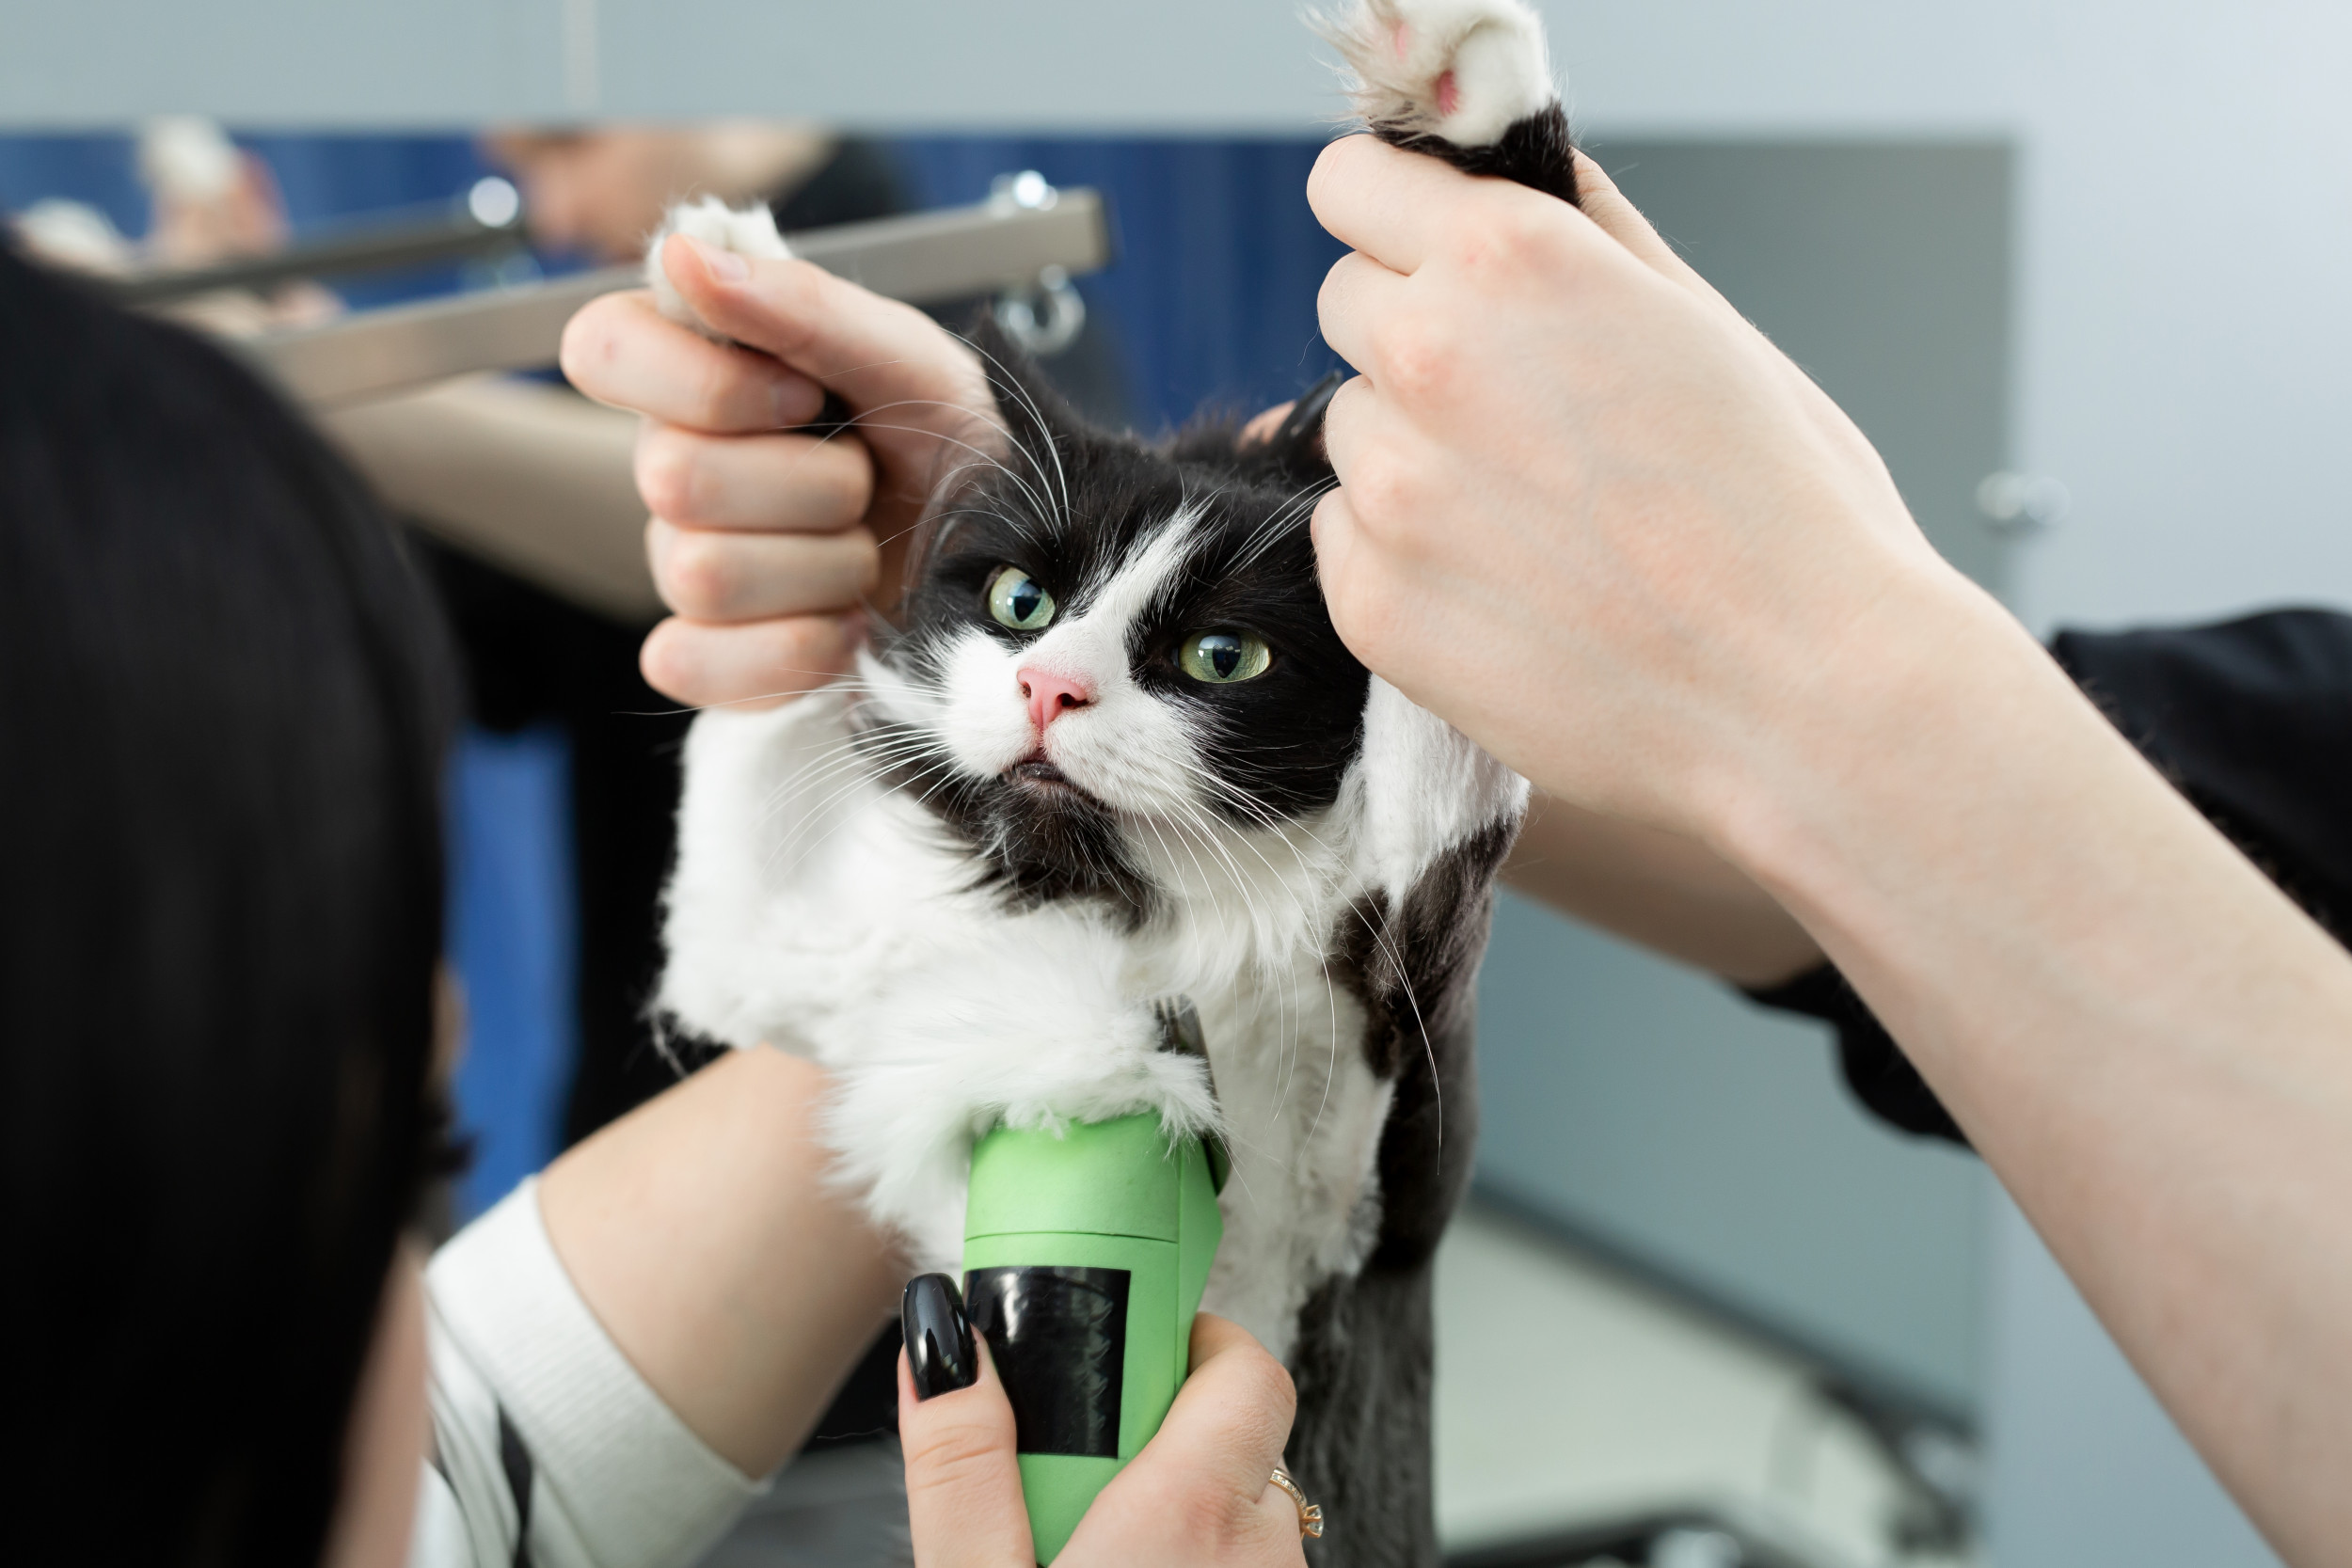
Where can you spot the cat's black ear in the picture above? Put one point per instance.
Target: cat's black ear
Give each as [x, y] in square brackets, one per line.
[1035, 415]
[1299, 437]
[1296, 447]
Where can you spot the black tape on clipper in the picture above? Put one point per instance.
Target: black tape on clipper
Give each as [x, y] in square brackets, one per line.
[1058, 1337]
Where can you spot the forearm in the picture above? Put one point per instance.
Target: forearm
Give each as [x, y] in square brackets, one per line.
[702, 1233]
[535, 479]
[2145, 1040]
[1669, 894]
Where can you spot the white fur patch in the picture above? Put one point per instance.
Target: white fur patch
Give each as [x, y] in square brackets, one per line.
[1463, 69]
[1420, 787]
[746, 230]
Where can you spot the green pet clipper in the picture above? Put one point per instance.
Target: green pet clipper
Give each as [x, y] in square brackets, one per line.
[1084, 1257]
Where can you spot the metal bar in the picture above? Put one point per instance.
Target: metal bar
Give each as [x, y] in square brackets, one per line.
[413, 238]
[925, 257]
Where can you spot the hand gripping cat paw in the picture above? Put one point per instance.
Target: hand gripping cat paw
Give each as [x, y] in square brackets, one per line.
[721, 231]
[1468, 81]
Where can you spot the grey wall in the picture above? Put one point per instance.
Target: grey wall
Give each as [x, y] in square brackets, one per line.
[1660, 1114]
[1883, 268]
[890, 64]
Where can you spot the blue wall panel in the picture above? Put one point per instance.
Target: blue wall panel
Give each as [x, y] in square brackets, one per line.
[513, 935]
[1219, 260]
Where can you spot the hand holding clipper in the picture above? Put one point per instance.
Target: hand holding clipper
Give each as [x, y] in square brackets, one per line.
[1191, 1499]
[1085, 1255]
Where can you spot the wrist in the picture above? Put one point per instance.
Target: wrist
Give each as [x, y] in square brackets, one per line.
[1936, 708]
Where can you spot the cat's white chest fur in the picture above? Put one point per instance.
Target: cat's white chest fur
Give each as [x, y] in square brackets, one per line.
[817, 910]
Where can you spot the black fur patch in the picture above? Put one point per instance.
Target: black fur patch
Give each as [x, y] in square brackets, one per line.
[1034, 843]
[1415, 971]
[1360, 1444]
[1538, 151]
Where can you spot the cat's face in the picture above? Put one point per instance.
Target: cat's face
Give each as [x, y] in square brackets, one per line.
[1105, 644]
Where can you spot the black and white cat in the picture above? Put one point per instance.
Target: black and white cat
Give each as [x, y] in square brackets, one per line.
[1118, 755]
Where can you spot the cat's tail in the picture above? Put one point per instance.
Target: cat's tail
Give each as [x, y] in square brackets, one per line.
[1468, 81]
[746, 230]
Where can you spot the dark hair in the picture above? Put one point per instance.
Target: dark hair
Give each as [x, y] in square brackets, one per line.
[221, 723]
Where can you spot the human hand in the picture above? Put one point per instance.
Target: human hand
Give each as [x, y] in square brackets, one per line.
[1197, 1495]
[765, 540]
[1587, 513]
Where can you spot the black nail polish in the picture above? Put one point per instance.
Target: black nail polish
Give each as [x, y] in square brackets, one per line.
[939, 1341]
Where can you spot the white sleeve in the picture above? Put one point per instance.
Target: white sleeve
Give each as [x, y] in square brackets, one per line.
[538, 1416]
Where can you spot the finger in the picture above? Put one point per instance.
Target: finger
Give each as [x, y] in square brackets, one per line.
[619, 350]
[1618, 218]
[1347, 424]
[1358, 295]
[1206, 1471]
[716, 576]
[1390, 475]
[1332, 526]
[790, 483]
[876, 353]
[1342, 567]
[1394, 206]
[964, 1484]
[756, 664]
[1233, 1416]
[1623, 222]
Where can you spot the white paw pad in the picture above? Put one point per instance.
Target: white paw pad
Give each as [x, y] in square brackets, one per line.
[1463, 69]
[747, 232]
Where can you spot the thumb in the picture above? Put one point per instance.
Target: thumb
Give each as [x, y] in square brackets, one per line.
[1599, 197]
[879, 354]
[964, 1484]
[1623, 222]
[1201, 1490]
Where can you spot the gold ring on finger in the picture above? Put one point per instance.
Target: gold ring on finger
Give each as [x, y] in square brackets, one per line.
[1310, 1514]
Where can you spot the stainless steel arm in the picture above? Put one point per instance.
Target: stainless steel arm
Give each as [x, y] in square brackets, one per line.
[434, 231]
[923, 258]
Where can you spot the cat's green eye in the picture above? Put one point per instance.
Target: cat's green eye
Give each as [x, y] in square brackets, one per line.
[1019, 601]
[1222, 658]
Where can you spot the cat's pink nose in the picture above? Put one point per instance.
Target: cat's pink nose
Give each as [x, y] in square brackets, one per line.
[1051, 695]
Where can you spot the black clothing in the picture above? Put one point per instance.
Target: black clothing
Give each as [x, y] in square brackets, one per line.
[1876, 1070]
[2251, 720]
[858, 182]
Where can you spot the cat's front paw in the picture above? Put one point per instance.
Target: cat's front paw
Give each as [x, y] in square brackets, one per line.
[1463, 71]
[970, 1046]
[746, 232]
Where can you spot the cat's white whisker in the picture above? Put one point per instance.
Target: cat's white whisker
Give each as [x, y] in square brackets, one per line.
[1029, 403]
